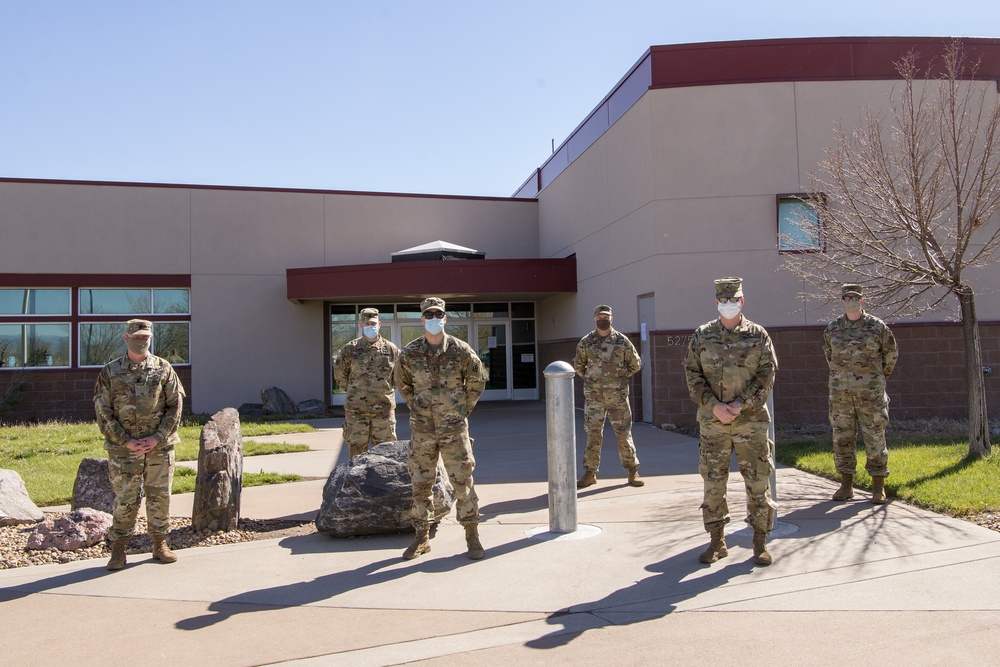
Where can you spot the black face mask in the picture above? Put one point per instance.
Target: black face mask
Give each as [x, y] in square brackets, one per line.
[603, 325]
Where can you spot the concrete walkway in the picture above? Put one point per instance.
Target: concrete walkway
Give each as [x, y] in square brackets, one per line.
[851, 583]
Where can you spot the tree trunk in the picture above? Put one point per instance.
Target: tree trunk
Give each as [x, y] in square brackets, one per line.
[979, 423]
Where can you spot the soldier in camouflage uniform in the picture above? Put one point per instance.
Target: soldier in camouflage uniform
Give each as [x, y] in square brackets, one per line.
[441, 379]
[861, 352]
[364, 371]
[138, 399]
[730, 366]
[606, 359]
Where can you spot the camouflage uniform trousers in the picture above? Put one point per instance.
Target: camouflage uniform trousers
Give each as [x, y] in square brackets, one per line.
[362, 428]
[753, 454]
[848, 410]
[612, 404]
[131, 475]
[455, 450]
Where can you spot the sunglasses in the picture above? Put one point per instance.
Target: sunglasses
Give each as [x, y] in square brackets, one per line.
[729, 299]
[852, 298]
[431, 314]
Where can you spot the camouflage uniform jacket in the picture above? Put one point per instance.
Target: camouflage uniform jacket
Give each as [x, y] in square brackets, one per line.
[861, 354]
[364, 371]
[723, 366]
[441, 388]
[134, 401]
[606, 362]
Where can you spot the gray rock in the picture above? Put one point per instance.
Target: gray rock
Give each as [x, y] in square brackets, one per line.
[15, 504]
[219, 483]
[277, 402]
[248, 410]
[313, 406]
[372, 494]
[77, 530]
[92, 487]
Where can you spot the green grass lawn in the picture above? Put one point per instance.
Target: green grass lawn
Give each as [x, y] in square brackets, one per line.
[929, 472]
[48, 455]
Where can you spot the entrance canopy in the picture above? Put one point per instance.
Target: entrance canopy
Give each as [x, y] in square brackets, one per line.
[502, 279]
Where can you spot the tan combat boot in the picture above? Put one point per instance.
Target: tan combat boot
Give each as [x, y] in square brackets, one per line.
[476, 550]
[878, 490]
[846, 490]
[633, 477]
[760, 555]
[117, 561]
[161, 551]
[589, 479]
[717, 548]
[421, 544]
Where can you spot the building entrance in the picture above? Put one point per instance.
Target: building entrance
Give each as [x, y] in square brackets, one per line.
[502, 335]
[492, 345]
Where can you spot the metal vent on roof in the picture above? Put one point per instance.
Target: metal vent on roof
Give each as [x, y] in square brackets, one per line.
[436, 250]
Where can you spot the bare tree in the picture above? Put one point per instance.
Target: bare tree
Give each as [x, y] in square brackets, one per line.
[910, 204]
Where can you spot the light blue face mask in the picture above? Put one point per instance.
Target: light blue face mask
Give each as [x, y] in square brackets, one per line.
[371, 331]
[434, 326]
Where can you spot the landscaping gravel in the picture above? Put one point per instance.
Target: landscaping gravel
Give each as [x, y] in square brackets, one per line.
[14, 540]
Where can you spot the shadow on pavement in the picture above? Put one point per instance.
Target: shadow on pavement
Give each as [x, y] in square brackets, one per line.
[336, 583]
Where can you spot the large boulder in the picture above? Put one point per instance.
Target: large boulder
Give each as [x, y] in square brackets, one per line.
[79, 529]
[372, 494]
[219, 483]
[15, 504]
[92, 487]
[276, 401]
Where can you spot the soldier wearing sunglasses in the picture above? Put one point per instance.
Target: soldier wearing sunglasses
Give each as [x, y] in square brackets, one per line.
[441, 379]
[730, 365]
[861, 352]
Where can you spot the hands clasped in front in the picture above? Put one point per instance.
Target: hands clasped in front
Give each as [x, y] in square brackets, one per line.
[727, 412]
[143, 446]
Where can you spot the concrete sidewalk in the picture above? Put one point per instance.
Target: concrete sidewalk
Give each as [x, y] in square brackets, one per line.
[851, 583]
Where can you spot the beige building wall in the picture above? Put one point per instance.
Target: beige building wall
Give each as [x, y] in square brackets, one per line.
[682, 190]
[236, 245]
[85, 228]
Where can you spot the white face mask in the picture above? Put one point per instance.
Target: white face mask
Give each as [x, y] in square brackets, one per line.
[434, 326]
[730, 310]
[371, 331]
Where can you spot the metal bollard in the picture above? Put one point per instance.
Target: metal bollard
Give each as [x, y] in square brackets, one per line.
[774, 454]
[560, 431]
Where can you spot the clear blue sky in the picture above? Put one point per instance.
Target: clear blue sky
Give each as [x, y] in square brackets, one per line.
[421, 96]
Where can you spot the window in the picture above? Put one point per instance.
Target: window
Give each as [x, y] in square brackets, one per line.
[133, 301]
[34, 302]
[799, 227]
[24, 340]
[101, 341]
[34, 345]
[43, 327]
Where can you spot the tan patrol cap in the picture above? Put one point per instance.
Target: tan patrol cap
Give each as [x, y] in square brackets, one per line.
[602, 309]
[850, 289]
[432, 303]
[728, 287]
[140, 327]
[369, 313]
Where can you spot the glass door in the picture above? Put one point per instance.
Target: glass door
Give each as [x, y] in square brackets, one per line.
[492, 345]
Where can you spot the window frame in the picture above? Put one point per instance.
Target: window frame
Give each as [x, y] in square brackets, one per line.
[74, 319]
[817, 202]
